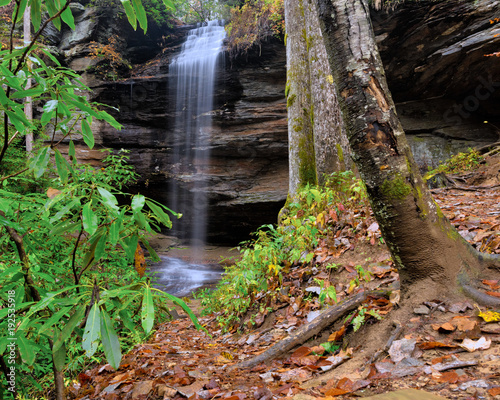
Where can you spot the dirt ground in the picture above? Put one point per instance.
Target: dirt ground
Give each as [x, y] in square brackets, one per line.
[447, 347]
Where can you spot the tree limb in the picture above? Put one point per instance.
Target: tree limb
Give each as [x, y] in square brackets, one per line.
[307, 331]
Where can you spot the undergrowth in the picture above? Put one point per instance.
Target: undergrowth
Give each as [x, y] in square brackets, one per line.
[317, 214]
[458, 164]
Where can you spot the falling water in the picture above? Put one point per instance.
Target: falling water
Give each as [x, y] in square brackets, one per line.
[192, 77]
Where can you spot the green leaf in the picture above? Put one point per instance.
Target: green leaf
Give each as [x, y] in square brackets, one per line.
[67, 17]
[39, 163]
[109, 200]
[152, 253]
[63, 211]
[80, 104]
[169, 5]
[90, 255]
[72, 152]
[88, 136]
[66, 332]
[148, 310]
[129, 244]
[92, 330]
[48, 53]
[185, 307]
[53, 319]
[4, 2]
[99, 248]
[127, 321]
[138, 202]
[90, 222]
[19, 123]
[110, 341]
[53, 10]
[159, 214]
[141, 14]
[27, 349]
[110, 120]
[22, 7]
[141, 221]
[62, 166]
[36, 13]
[114, 231]
[28, 93]
[129, 10]
[51, 105]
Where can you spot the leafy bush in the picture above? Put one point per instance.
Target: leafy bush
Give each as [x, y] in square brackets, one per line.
[307, 219]
[254, 22]
[458, 164]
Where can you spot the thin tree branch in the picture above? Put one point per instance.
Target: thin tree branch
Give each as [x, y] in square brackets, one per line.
[73, 260]
[14, 174]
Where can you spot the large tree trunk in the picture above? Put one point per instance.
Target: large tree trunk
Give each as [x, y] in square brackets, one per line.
[331, 146]
[427, 250]
[302, 164]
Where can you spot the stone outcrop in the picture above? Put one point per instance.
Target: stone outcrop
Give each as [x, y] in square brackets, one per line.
[247, 173]
[434, 53]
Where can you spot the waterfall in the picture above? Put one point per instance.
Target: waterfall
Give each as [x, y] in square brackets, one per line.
[192, 78]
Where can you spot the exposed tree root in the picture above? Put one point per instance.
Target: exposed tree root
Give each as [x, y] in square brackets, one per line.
[307, 331]
[471, 291]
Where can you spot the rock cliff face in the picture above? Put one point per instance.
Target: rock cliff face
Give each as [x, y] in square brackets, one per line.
[248, 168]
[434, 53]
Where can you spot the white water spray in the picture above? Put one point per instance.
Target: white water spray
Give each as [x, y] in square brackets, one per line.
[192, 77]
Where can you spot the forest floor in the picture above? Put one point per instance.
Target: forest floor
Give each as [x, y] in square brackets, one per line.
[445, 347]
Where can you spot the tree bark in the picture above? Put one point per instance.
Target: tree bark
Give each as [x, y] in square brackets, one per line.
[302, 164]
[427, 250]
[331, 146]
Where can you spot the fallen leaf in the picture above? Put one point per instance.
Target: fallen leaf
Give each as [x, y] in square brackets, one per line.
[493, 284]
[489, 316]
[464, 324]
[51, 192]
[345, 384]
[336, 336]
[433, 345]
[335, 392]
[494, 391]
[473, 345]
[491, 328]
[301, 352]
[447, 377]
[444, 328]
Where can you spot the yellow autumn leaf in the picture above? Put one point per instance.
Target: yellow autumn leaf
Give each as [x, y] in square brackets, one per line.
[490, 316]
[329, 78]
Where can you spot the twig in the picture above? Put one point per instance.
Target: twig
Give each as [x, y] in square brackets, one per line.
[14, 174]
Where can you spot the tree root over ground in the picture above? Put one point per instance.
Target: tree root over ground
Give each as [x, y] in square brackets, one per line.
[305, 332]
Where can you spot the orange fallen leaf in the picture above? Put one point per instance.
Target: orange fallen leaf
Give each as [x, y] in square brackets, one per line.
[336, 336]
[441, 359]
[447, 377]
[494, 391]
[492, 283]
[335, 392]
[345, 384]
[444, 328]
[51, 192]
[494, 294]
[433, 345]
